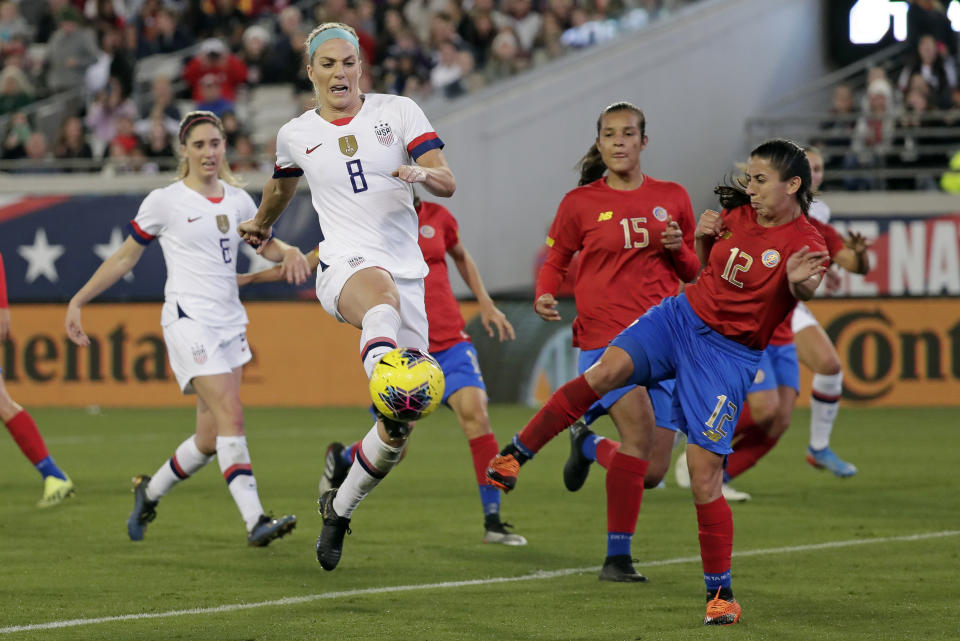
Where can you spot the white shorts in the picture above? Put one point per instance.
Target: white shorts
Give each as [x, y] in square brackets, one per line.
[197, 350]
[802, 318]
[413, 314]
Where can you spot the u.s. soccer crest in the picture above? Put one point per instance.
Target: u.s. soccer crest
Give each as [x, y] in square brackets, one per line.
[199, 353]
[223, 223]
[348, 145]
[384, 133]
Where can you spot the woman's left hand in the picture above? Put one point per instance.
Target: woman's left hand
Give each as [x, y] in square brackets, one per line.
[491, 318]
[294, 269]
[672, 236]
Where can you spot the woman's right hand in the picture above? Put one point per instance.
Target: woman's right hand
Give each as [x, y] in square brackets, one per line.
[74, 325]
[546, 308]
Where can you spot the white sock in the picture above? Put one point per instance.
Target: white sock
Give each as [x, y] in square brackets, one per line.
[824, 403]
[378, 335]
[234, 460]
[184, 463]
[374, 459]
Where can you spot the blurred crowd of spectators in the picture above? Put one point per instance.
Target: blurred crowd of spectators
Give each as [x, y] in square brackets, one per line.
[86, 53]
[903, 128]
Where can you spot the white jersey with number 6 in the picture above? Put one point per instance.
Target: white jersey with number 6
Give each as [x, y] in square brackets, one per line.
[199, 240]
[365, 213]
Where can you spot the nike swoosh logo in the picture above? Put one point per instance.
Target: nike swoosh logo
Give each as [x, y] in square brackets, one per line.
[190, 220]
[310, 150]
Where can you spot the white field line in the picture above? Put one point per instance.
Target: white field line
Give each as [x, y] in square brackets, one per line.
[446, 585]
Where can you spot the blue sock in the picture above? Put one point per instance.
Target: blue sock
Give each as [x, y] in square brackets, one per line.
[618, 543]
[490, 497]
[589, 447]
[716, 581]
[524, 451]
[47, 467]
[347, 454]
[726, 477]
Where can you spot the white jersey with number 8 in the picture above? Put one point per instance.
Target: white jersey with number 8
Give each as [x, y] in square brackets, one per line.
[365, 213]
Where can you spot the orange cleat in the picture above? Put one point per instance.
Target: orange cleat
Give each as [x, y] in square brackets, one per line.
[720, 612]
[502, 472]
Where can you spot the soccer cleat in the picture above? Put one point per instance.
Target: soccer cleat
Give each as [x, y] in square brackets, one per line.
[577, 467]
[825, 459]
[721, 612]
[619, 568]
[734, 495]
[269, 528]
[680, 470]
[55, 491]
[330, 541]
[496, 532]
[502, 472]
[144, 510]
[334, 468]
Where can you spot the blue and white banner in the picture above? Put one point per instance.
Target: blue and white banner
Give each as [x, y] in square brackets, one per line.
[51, 245]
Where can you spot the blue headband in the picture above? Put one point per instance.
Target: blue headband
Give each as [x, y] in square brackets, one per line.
[330, 34]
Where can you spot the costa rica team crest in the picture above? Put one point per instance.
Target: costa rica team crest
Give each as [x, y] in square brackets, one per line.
[223, 223]
[427, 231]
[348, 145]
[384, 133]
[660, 213]
[770, 258]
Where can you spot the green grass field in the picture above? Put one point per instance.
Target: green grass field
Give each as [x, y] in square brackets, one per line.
[872, 557]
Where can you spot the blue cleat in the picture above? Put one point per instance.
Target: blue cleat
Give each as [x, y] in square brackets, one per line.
[144, 510]
[825, 459]
[268, 528]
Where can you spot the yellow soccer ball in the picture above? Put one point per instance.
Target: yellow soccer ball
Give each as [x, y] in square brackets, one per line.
[407, 384]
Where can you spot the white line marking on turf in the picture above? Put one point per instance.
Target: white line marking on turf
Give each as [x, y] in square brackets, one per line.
[552, 574]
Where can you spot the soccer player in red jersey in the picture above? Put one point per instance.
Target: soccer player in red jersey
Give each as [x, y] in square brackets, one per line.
[634, 235]
[759, 256]
[56, 484]
[777, 384]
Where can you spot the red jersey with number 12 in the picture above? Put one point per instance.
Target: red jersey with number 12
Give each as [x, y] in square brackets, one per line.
[439, 233]
[743, 291]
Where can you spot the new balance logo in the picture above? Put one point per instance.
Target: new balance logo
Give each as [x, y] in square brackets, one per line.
[606, 215]
[310, 150]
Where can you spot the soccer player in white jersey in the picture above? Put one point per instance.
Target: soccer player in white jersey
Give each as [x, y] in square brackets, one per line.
[360, 154]
[204, 323]
[816, 351]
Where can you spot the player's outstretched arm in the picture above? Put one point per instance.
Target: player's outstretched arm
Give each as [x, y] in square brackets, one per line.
[432, 172]
[853, 257]
[110, 271]
[277, 194]
[289, 266]
[491, 317]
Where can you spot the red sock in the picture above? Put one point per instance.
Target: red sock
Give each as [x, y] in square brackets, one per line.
[24, 431]
[566, 405]
[752, 447]
[483, 448]
[606, 448]
[624, 492]
[715, 527]
[745, 423]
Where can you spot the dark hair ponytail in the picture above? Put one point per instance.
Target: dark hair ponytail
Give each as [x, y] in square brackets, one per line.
[591, 165]
[788, 158]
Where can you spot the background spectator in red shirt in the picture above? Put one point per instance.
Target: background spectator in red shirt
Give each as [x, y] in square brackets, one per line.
[215, 59]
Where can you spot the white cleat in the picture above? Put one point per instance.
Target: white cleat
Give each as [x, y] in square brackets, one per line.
[734, 495]
[681, 472]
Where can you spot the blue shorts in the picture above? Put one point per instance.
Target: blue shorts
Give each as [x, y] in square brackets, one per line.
[778, 366]
[661, 395]
[460, 368]
[712, 372]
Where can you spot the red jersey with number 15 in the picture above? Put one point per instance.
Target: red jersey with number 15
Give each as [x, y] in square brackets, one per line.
[743, 291]
[624, 267]
[439, 234]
